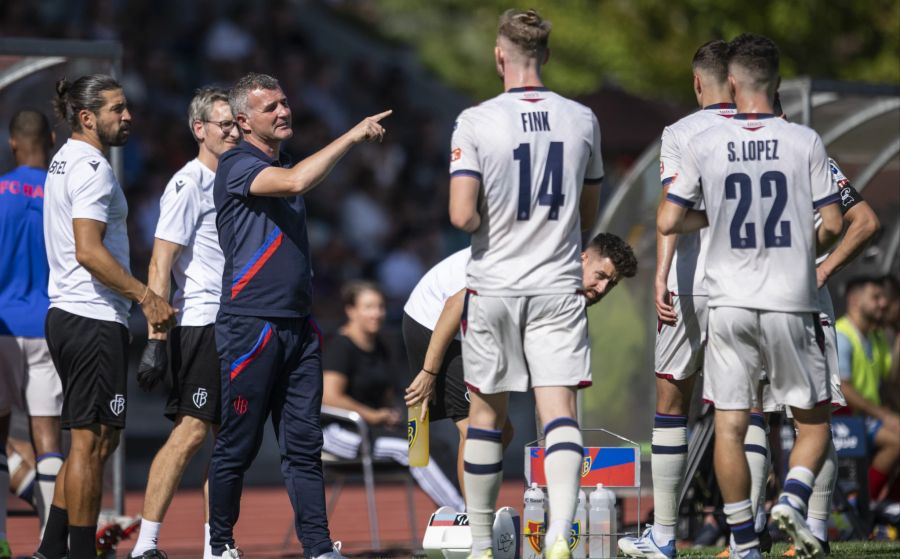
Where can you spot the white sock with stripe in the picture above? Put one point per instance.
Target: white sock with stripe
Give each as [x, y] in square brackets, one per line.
[483, 473]
[562, 464]
[48, 466]
[668, 461]
[820, 501]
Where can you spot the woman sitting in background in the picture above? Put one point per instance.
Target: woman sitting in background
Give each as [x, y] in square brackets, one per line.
[358, 377]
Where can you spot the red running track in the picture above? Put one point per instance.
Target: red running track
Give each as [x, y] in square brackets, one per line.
[266, 529]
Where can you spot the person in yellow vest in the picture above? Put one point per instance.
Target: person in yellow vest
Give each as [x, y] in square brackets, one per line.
[864, 361]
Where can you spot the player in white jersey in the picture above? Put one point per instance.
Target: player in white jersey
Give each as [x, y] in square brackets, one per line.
[525, 172]
[90, 290]
[187, 246]
[431, 322]
[681, 301]
[862, 225]
[761, 177]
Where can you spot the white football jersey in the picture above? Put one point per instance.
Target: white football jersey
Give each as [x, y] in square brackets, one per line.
[687, 273]
[761, 178]
[81, 184]
[532, 150]
[441, 282]
[187, 217]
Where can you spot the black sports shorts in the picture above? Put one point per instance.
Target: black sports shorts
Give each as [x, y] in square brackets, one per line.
[196, 379]
[451, 396]
[91, 357]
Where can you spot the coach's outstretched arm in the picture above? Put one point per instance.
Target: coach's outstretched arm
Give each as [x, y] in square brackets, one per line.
[305, 175]
[863, 225]
[91, 253]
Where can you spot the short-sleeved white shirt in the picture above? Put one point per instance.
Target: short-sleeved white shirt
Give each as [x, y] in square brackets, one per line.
[762, 177]
[81, 184]
[532, 150]
[687, 274]
[441, 282]
[187, 217]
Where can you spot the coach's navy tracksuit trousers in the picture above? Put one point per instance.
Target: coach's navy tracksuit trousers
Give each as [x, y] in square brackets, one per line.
[269, 365]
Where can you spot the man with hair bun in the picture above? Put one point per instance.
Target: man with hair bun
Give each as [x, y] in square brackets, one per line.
[28, 380]
[187, 245]
[268, 344]
[525, 181]
[91, 290]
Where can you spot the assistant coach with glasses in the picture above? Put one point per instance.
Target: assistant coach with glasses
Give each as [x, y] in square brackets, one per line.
[269, 347]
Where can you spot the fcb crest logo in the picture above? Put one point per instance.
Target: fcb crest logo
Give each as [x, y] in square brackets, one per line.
[240, 405]
[575, 535]
[117, 405]
[586, 466]
[534, 530]
[200, 397]
[412, 430]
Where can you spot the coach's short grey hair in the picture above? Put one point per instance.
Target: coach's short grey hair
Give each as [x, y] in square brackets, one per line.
[243, 87]
[203, 102]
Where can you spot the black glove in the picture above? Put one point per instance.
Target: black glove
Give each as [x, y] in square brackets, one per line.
[154, 364]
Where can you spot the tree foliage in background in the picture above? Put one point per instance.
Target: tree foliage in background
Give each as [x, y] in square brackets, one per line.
[645, 46]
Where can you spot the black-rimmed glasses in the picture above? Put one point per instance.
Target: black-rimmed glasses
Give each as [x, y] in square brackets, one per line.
[225, 125]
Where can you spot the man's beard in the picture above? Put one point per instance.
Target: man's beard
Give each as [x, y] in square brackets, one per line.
[110, 138]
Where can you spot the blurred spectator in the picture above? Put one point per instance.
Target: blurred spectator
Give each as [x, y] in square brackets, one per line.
[358, 377]
[892, 325]
[864, 360]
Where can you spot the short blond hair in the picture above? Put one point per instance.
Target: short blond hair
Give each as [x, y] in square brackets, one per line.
[525, 29]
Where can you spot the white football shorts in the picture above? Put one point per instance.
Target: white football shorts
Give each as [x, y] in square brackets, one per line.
[28, 379]
[831, 364]
[512, 343]
[744, 342]
[680, 348]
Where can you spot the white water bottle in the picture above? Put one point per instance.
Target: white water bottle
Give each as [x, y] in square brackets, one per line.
[533, 523]
[602, 523]
[580, 528]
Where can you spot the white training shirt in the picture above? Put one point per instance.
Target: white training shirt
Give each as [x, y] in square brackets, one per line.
[826, 307]
[81, 184]
[441, 282]
[761, 177]
[532, 150]
[687, 274]
[187, 217]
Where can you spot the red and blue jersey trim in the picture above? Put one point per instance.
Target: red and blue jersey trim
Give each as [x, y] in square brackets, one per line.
[262, 255]
[239, 364]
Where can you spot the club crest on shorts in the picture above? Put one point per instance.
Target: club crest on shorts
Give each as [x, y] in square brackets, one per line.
[117, 405]
[240, 405]
[199, 397]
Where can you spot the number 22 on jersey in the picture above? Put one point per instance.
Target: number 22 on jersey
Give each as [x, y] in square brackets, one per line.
[550, 189]
[743, 234]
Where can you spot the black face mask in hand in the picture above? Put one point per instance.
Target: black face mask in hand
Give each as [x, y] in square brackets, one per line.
[154, 364]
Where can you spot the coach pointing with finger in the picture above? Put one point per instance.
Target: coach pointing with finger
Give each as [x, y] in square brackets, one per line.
[269, 347]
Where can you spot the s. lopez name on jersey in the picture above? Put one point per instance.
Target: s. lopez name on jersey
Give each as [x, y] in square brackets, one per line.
[536, 121]
[754, 150]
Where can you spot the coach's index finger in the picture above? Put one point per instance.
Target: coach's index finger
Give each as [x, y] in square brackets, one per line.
[380, 116]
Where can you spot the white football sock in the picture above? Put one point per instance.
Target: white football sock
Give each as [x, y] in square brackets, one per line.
[756, 448]
[820, 501]
[798, 487]
[483, 473]
[562, 464]
[667, 464]
[148, 537]
[48, 466]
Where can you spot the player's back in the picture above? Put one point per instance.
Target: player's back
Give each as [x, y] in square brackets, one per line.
[687, 273]
[532, 151]
[761, 179]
